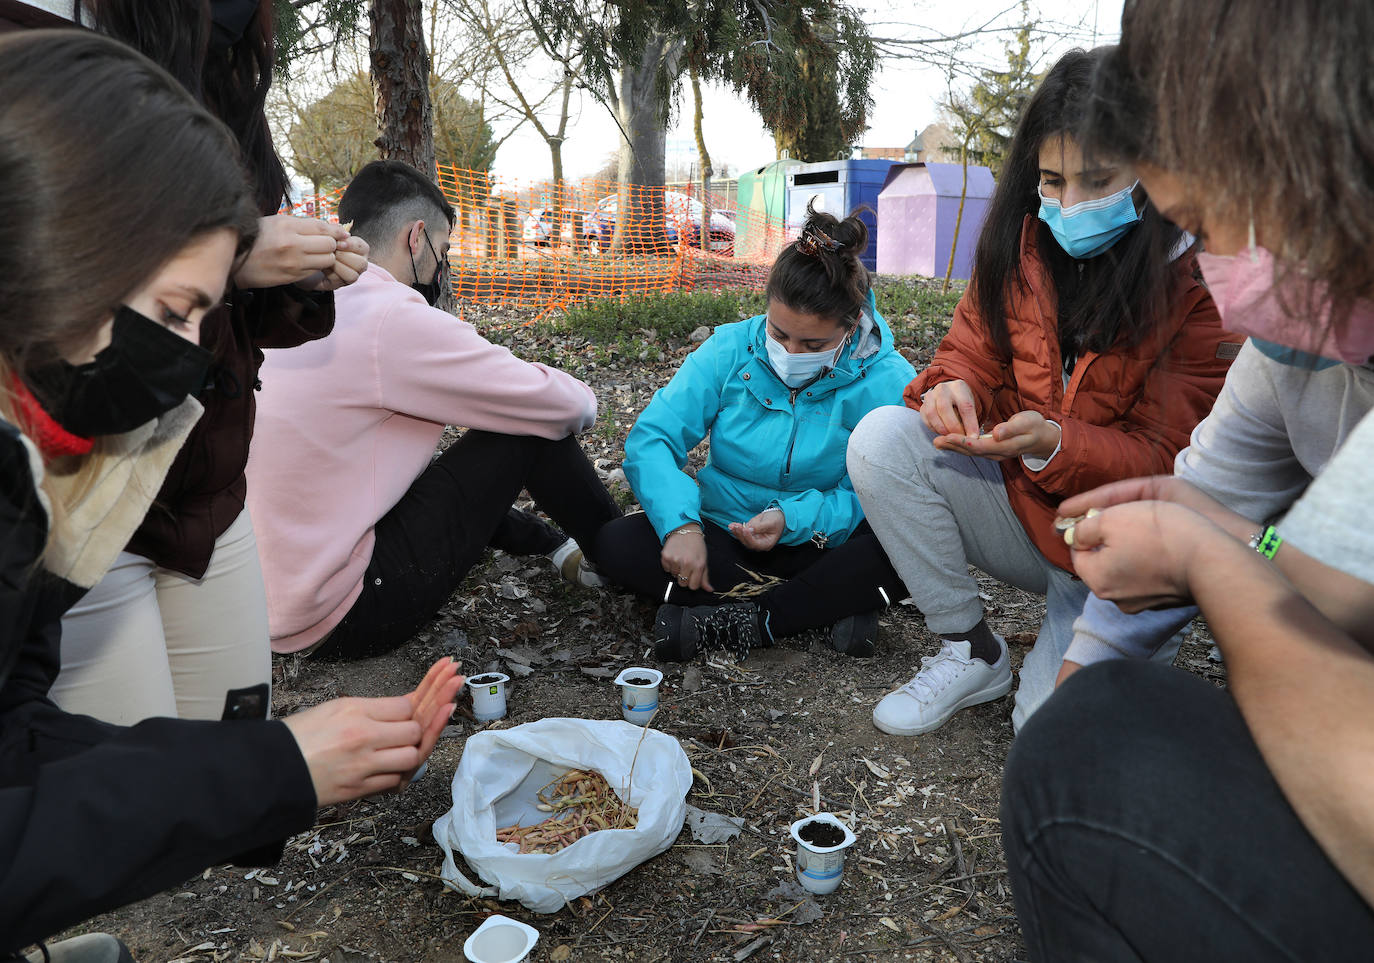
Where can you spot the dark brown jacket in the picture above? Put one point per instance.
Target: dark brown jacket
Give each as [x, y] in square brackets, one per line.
[205, 487]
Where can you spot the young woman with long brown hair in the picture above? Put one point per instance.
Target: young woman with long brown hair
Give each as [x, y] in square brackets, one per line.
[98, 368]
[1083, 351]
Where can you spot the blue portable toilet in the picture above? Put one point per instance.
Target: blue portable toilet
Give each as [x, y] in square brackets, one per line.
[838, 187]
[918, 208]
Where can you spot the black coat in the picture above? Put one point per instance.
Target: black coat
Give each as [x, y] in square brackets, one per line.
[93, 816]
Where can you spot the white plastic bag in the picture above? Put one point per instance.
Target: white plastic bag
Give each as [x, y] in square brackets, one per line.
[497, 783]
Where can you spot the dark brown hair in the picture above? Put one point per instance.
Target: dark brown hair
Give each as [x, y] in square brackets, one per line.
[385, 196]
[230, 73]
[820, 273]
[108, 169]
[1117, 298]
[1263, 107]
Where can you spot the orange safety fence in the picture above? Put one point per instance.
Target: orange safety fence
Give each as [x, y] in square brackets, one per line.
[325, 206]
[532, 245]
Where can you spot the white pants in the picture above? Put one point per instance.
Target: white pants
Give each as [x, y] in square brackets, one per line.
[148, 642]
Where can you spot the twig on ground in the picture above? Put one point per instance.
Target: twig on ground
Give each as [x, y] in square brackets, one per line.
[959, 952]
[705, 923]
[752, 948]
[959, 861]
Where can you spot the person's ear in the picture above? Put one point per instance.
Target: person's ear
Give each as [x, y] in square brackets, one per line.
[415, 238]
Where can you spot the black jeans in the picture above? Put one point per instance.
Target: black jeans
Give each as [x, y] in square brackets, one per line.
[823, 584]
[1141, 823]
[453, 511]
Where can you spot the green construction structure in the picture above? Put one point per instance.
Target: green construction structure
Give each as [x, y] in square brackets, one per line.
[760, 220]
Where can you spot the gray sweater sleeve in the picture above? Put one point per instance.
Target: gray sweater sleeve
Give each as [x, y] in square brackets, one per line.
[1241, 455]
[1105, 632]
[1331, 520]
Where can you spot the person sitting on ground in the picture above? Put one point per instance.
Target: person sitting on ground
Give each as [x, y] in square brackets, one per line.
[362, 536]
[1280, 419]
[778, 395]
[1083, 351]
[98, 395]
[1149, 814]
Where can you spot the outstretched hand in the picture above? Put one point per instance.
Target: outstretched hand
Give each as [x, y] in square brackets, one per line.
[434, 701]
[356, 747]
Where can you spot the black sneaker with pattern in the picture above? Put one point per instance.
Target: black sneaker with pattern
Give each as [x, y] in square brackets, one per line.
[682, 633]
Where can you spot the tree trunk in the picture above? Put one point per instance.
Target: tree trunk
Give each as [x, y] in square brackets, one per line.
[555, 142]
[400, 75]
[706, 169]
[959, 218]
[639, 226]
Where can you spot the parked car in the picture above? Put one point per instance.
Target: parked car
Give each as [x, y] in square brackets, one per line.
[681, 219]
[537, 227]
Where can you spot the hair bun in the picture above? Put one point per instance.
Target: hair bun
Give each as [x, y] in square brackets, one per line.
[824, 234]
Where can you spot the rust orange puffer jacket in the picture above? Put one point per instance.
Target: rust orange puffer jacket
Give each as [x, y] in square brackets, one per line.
[1125, 413]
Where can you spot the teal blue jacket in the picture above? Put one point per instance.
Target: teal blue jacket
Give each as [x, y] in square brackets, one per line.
[770, 445]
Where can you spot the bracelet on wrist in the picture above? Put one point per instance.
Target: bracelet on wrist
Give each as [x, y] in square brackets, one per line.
[1266, 542]
[691, 528]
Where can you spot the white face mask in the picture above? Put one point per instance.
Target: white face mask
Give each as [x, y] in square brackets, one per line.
[797, 369]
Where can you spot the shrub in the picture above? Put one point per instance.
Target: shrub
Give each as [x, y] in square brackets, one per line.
[673, 314]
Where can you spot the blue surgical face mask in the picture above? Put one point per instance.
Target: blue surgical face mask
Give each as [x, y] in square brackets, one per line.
[797, 369]
[1089, 228]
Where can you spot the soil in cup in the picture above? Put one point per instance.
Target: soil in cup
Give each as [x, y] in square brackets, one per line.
[821, 834]
[639, 680]
[484, 680]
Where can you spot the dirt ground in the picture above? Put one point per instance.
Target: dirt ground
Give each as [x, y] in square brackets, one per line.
[925, 881]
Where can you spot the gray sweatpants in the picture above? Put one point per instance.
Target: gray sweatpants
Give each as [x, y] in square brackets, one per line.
[935, 512]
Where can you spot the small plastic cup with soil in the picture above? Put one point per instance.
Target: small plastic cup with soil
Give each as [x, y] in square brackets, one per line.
[639, 694]
[488, 695]
[821, 841]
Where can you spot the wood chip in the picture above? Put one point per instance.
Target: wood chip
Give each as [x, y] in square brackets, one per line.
[752, 948]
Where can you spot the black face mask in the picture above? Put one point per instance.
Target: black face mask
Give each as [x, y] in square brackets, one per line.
[229, 21]
[429, 290]
[145, 371]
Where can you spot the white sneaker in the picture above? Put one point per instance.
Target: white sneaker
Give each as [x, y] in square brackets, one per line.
[572, 566]
[947, 682]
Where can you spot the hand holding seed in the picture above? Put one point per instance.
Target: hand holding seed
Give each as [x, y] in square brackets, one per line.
[292, 250]
[949, 408]
[1027, 433]
[1139, 554]
[761, 532]
[1162, 488]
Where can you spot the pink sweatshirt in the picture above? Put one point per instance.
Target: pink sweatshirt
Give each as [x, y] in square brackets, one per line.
[346, 424]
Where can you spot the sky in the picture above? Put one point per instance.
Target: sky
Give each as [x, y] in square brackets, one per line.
[905, 95]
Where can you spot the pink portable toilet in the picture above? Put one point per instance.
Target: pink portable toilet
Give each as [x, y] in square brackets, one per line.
[917, 208]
